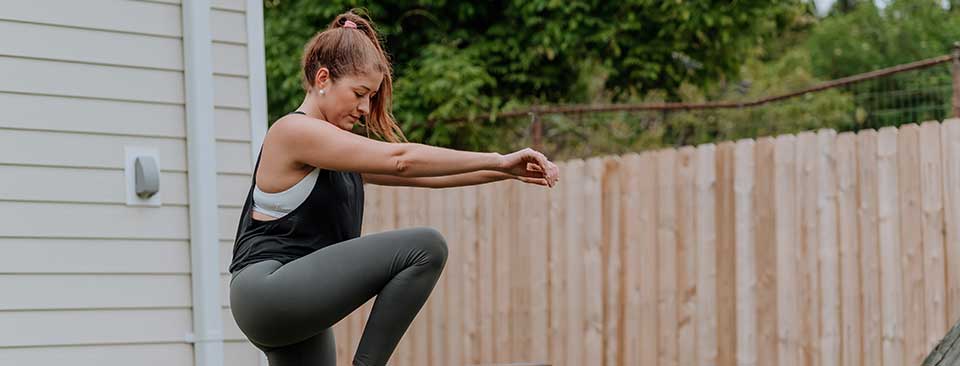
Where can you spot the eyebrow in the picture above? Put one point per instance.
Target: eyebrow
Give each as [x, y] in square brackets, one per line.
[368, 89]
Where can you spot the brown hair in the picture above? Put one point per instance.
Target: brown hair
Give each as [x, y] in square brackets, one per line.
[348, 51]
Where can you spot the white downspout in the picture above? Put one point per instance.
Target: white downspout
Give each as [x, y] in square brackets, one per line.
[256, 61]
[202, 176]
[257, 78]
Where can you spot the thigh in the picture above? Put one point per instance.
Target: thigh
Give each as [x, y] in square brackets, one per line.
[319, 350]
[278, 305]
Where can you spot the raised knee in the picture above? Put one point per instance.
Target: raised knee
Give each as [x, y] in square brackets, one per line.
[435, 244]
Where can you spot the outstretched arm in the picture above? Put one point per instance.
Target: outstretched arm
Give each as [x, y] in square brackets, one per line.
[456, 180]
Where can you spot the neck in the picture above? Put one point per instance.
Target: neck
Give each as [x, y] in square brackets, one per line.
[310, 106]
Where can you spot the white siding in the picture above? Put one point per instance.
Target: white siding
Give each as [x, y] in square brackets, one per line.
[88, 280]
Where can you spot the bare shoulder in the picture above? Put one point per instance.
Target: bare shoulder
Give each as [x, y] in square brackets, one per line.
[293, 126]
[317, 143]
[295, 131]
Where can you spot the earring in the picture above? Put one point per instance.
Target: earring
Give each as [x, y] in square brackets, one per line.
[323, 91]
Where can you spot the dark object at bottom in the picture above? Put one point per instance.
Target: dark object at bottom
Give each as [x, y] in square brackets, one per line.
[947, 352]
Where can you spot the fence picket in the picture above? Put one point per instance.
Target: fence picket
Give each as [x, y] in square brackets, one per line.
[789, 321]
[745, 253]
[828, 254]
[632, 226]
[575, 241]
[849, 246]
[725, 256]
[686, 263]
[611, 265]
[911, 243]
[666, 257]
[707, 332]
[592, 263]
[868, 222]
[764, 220]
[891, 274]
[934, 272]
[647, 191]
[950, 143]
[557, 270]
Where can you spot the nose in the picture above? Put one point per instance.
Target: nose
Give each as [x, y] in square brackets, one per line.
[364, 106]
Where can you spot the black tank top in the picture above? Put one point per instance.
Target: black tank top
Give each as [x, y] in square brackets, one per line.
[332, 212]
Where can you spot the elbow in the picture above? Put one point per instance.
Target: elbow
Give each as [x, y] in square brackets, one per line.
[401, 162]
[401, 167]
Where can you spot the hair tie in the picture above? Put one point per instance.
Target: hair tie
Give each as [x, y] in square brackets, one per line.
[349, 24]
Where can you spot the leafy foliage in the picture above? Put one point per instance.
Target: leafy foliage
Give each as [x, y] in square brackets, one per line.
[456, 58]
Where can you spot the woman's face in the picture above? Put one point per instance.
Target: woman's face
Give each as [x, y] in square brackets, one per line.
[348, 98]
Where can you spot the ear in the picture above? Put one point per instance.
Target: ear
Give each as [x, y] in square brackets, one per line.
[322, 78]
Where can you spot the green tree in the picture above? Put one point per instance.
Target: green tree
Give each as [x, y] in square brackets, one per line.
[870, 38]
[470, 58]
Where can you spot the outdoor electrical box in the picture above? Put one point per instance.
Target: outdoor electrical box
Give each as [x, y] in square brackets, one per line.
[142, 175]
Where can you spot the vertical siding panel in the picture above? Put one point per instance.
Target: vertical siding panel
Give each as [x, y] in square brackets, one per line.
[632, 226]
[891, 274]
[911, 242]
[486, 225]
[686, 264]
[765, 252]
[436, 303]
[725, 257]
[744, 249]
[869, 248]
[666, 257]
[575, 239]
[850, 314]
[649, 341]
[828, 252]
[706, 248]
[789, 321]
[950, 143]
[934, 272]
[592, 262]
[612, 256]
[807, 256]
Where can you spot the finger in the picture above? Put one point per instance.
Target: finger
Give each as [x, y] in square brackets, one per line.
[539, 181]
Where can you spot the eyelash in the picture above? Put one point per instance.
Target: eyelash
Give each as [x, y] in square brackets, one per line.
[361, 95]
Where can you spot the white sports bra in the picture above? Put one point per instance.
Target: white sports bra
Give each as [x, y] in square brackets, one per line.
[279, 204]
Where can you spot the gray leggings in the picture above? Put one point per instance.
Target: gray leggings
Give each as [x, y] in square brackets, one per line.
[287, 311]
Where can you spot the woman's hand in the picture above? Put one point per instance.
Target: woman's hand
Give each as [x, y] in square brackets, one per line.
[530, 166]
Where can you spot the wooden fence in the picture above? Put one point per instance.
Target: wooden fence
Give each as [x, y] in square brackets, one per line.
[814, 249]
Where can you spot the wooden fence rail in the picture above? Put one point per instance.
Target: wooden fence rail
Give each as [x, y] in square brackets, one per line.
[816, 249]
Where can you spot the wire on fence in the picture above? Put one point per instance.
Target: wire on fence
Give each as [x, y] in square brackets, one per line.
[914, 92]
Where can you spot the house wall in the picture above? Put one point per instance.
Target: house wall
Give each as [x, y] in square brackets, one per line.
[86, 278]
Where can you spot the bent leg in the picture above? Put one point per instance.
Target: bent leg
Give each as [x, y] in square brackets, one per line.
[281, 306]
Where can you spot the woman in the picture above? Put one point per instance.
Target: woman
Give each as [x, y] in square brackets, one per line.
[299, 263]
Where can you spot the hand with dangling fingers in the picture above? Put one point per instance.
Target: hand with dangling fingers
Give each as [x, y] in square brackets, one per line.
[530, 166]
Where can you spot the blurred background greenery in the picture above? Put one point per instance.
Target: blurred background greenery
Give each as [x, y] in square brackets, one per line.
[472, 60]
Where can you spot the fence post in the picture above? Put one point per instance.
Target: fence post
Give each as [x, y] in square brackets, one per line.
[956, 79]
[537, 132]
